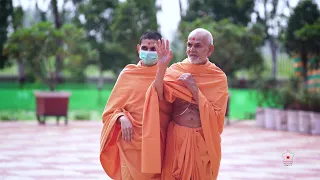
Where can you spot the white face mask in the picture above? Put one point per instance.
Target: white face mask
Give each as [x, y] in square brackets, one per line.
[148, 58]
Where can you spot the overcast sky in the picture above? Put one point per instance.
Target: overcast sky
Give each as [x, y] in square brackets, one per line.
[168, 18]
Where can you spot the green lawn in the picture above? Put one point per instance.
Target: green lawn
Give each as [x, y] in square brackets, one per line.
[84, 96]
[86, 99]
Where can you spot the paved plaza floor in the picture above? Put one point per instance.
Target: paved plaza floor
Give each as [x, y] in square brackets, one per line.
[29, 151]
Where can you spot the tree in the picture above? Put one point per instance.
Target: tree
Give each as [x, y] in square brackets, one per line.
[114, 29]
[37, 46]
[304, 15]
[17, 22]
[96, 17]
[236, 47]
[132, 19]
[6, 10]
[237, 11]
[271, 20]
[58, 22]
[310, 35]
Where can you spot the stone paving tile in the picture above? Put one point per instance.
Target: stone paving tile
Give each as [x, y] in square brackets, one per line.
[32, 152]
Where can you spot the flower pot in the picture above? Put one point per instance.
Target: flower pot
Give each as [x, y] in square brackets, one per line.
[293, 120]
[51, 104]
[315, 123]
[281, 120]
[260, 117]
[269, 121]
[304, 122]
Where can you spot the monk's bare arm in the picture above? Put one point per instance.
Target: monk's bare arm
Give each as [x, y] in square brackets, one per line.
[158, 83]
[164, 58]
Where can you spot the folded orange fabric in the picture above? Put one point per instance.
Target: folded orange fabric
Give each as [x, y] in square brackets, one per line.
[118, 158]
[213, 98]
[186, 155]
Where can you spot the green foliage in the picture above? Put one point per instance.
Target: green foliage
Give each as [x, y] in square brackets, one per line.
[314, 101]
[37, 46]
[99, 18]
[114, 28]
[17, 19]
[306, 13]
[236, 47]
[117, 57]
[310, 36]
[302, 34]
[293, 95]
[237, 11]
[289, 92]
[132, 19]
[268, 94]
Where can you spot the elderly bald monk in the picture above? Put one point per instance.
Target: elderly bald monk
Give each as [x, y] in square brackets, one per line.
[120, 142]
[198, 92]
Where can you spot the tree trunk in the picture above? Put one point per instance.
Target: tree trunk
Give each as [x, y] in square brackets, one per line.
[180, 7]
[304, 59]
[21, 76]
[58, 24]
[100, 80]
[273, 48]
[16, 25]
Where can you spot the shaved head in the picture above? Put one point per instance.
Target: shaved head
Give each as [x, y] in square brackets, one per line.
[203, 33]
[199, 46]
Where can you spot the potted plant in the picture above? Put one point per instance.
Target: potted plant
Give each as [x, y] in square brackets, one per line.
[268, 96]
[290, 104]
[260, 110]
[303, 98]
[39, 46]
[261, 96]
[314, 90]
[315, 114]
[284, 97]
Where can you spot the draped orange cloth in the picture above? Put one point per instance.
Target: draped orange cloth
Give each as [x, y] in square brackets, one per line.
[213, 97]
[120, 159]
[186, 155]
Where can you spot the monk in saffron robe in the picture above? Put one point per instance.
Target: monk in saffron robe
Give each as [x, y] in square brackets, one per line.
[120, 142]
[198, 92]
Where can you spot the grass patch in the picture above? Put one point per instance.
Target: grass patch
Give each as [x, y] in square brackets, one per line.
[82, 116]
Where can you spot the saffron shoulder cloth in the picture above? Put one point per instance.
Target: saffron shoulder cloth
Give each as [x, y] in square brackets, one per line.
[213, 98]
[127, 98]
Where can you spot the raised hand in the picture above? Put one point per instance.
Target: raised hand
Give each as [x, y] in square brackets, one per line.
[164, 53]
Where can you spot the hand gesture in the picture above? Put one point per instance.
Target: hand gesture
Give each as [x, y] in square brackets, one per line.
[164, 53]
[188, 80]
[126, 128]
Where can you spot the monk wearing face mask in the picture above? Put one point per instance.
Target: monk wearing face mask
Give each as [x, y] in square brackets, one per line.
[120, 142]
[198, 92]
